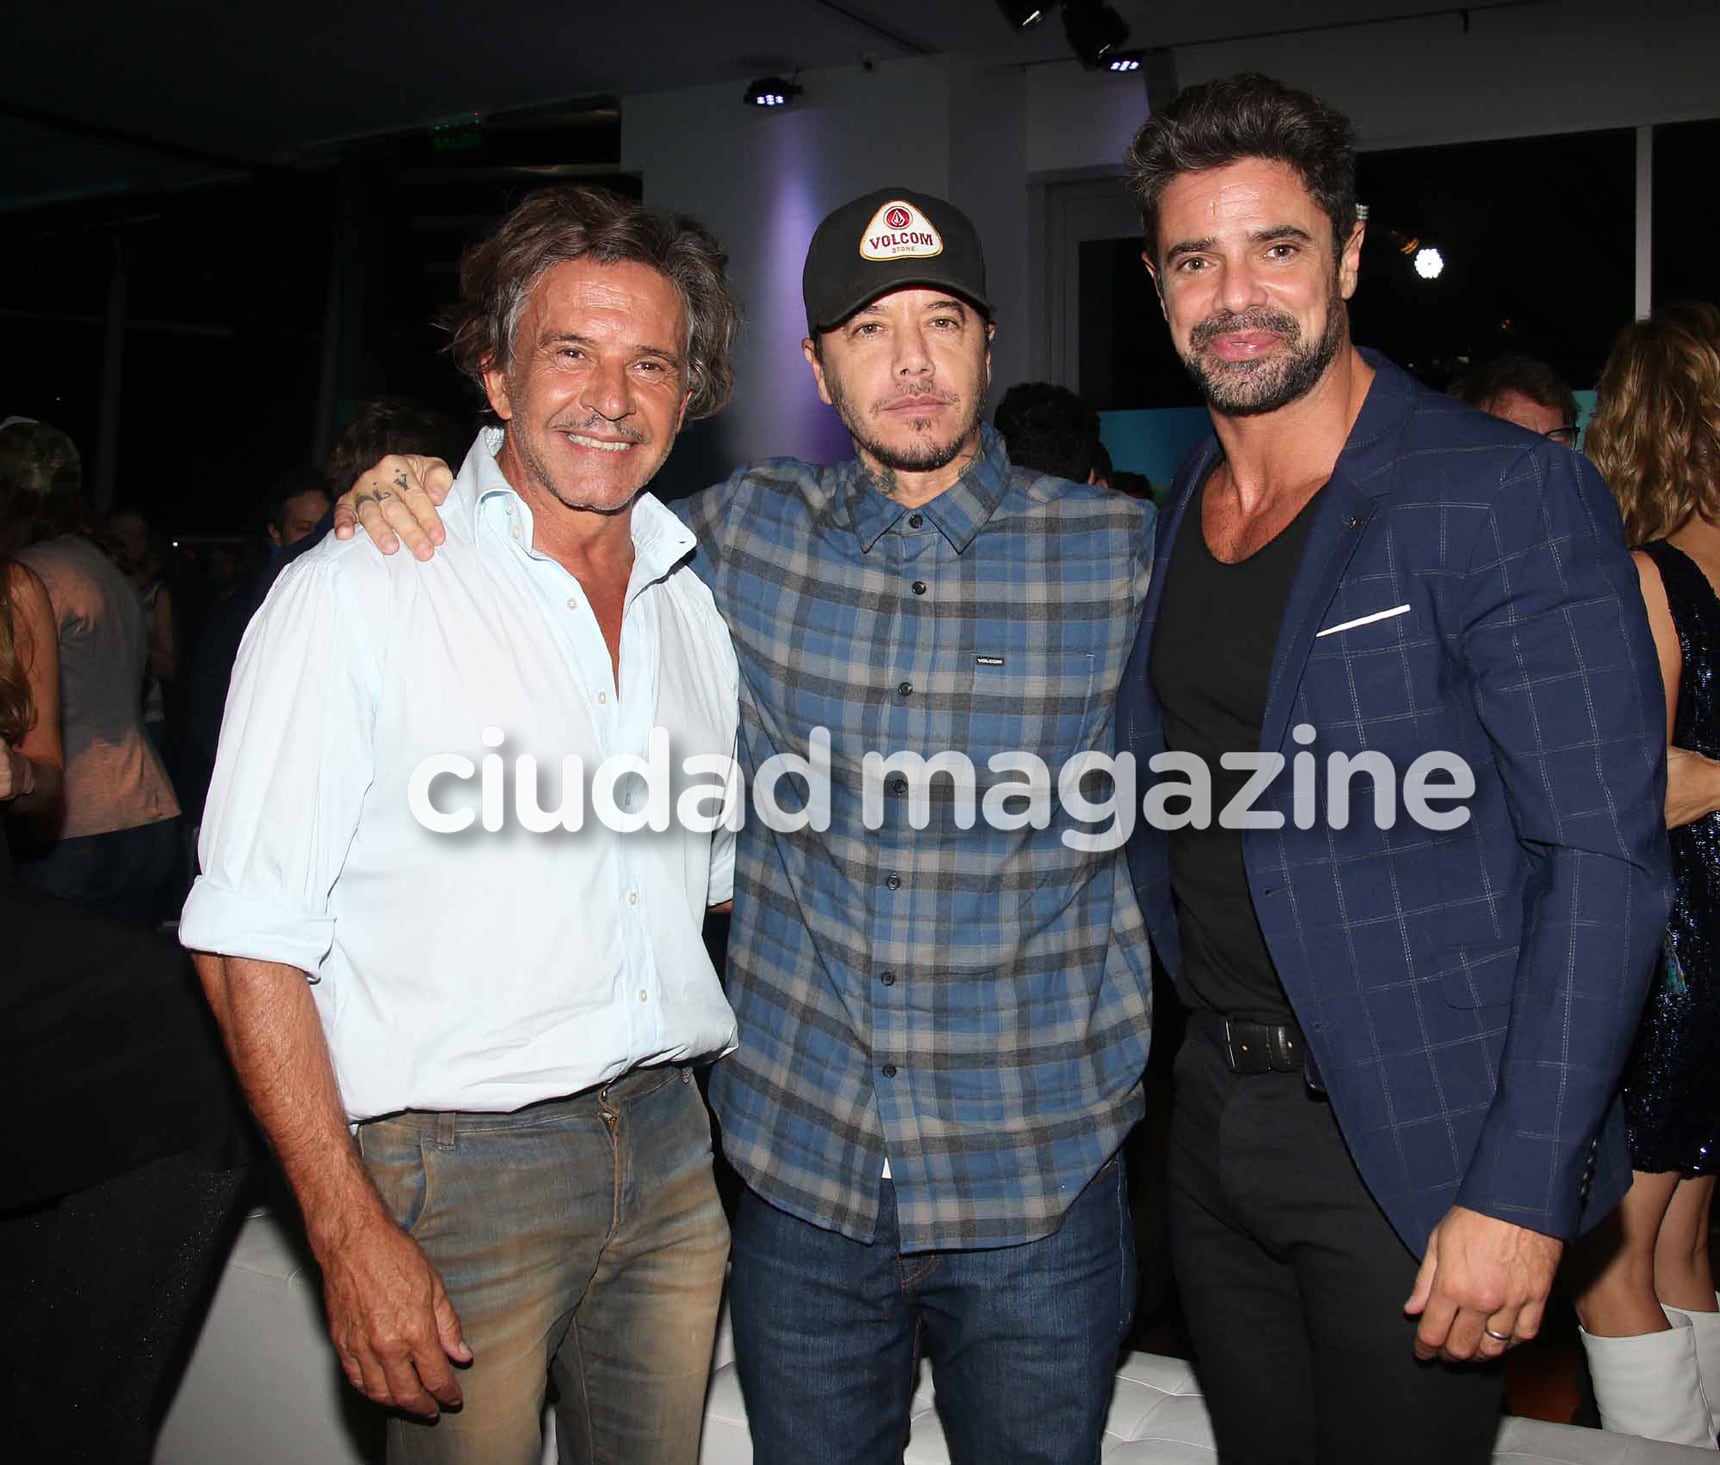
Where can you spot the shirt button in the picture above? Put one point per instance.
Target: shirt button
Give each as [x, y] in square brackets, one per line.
[898, 786]
[572, 604]
[904, 689]
[894, 882]
[632, 897]
[919, 587]
[516, 531]
[915, 520]
[888, 979]
[603, 696]
[644, 996]
[889, 1070]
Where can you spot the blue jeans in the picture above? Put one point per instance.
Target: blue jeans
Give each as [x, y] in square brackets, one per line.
[1022, 1340]
[580, 1240]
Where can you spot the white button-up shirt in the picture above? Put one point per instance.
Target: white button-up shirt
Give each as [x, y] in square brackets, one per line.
[494, 967]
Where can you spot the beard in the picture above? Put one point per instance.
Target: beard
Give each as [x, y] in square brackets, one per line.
[922, 454]
[1249, 388]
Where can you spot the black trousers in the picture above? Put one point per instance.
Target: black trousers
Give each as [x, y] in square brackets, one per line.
[1293, 1285]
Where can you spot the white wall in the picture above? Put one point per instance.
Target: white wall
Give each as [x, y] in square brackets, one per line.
[762, 180]
[1562, 66]
[980, 133]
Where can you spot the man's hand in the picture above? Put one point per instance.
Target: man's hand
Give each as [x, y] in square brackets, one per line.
[1481, 1288]
[398, 497]
[1692, 786]
[393, 1328]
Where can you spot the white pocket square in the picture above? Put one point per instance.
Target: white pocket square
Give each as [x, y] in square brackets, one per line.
[1378, 615]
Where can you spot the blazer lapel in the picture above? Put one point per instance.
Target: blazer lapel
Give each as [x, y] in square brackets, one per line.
[1339, 520]
[1362, 473]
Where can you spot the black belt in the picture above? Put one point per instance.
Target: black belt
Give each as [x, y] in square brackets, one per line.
[1259, 1047]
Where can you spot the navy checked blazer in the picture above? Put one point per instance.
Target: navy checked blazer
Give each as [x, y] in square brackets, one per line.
[1469, 996]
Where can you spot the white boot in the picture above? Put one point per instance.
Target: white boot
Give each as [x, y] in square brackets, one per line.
[1706, 1326]
[1649, 1386]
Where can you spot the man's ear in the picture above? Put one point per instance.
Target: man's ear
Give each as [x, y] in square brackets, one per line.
[809, 350]
[496, 389]
[275, 535]
[1158, 284]
[1350, 261]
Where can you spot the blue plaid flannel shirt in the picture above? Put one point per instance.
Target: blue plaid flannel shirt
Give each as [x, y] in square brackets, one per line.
[973, 1003]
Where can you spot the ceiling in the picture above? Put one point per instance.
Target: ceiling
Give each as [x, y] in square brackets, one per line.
[109, 98]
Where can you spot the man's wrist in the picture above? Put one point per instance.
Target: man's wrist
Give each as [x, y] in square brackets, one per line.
[331, 1225]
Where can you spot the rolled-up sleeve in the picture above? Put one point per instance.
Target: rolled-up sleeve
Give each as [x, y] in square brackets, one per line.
[294, 762]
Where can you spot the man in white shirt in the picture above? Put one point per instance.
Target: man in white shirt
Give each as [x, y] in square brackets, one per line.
[503, 1014]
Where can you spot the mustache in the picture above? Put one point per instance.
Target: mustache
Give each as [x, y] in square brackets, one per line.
[1257, 318]
[597, 425]
[948, 399]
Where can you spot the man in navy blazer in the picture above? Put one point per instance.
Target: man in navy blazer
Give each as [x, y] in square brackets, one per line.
[1408, 1024]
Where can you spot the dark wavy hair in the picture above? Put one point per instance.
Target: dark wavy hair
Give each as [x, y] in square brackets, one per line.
[555, 225]
[383, 426]
[1514, 372]
[1246, 116]
[1048, 428]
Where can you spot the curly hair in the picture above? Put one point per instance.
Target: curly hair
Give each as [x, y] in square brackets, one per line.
[1656, 429]
[1048, 428]
[554, 225]
[1246, 116]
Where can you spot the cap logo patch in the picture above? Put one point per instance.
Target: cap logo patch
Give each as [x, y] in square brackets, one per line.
[900, 231]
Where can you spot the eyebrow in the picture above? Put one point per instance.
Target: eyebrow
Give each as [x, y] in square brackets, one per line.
[1258, 236]
[573, 338]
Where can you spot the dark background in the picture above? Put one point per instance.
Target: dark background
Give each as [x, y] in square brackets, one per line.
[1538, 238]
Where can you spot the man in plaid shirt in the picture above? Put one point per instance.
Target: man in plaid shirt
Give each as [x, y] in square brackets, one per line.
[942, 1028]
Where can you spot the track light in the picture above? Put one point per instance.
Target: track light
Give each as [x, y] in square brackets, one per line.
[1094, 31]
[770, 91]
[1124, 61]
[1429, 263]
[1024, 14]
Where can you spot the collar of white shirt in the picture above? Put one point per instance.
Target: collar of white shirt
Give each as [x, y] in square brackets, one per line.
[660, 540]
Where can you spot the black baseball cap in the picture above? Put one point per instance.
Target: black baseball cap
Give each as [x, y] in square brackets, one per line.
[883, 241]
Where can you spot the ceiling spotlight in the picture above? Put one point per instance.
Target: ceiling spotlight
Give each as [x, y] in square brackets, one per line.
[1429, 262]
[1094, 31]
[1024, 14]
[1124, 61]
[770, 91]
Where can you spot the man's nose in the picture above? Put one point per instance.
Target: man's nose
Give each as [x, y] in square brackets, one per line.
[607, 391]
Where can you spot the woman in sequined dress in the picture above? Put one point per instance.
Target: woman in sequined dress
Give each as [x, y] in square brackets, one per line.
[1650, 1326]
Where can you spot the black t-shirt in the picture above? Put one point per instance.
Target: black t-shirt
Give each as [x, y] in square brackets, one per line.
[1211, 665]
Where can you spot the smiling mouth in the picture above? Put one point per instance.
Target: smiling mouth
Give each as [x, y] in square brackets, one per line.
[603, 445]
[1245, 344]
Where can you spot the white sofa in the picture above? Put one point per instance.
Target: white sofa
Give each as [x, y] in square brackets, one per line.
[263, 1389]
